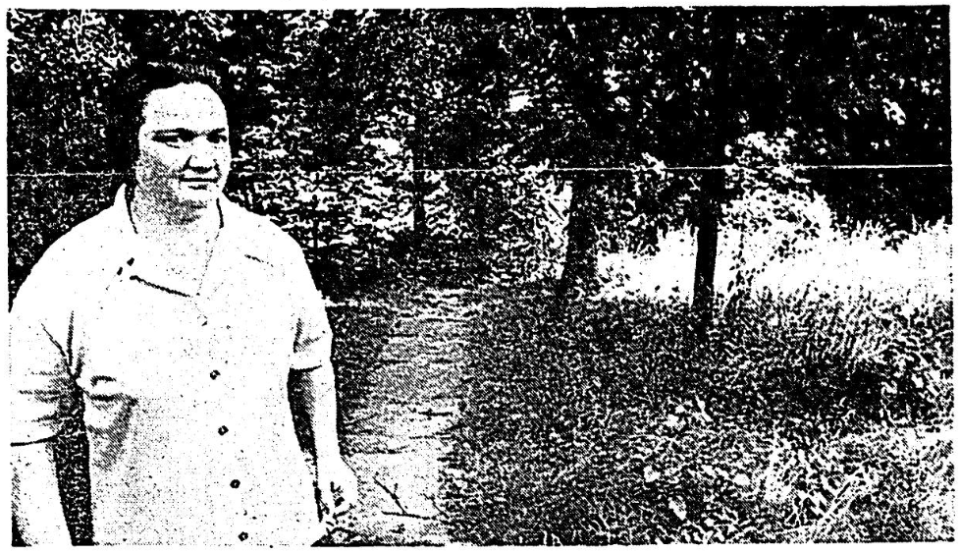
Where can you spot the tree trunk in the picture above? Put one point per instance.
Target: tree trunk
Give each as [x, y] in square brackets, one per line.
[480, 261]
[419, 214]
[711, 190]
[580, 266]
[708, 231]
[419, 231]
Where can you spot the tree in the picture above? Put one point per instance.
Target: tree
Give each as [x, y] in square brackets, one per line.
[59, 82]
[556, 75]
[722, 24]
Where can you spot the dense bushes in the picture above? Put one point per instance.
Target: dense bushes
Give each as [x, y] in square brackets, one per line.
[608, 423]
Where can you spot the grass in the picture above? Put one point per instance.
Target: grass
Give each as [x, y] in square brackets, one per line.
[805, 419]
[815, 412]
[760, 255]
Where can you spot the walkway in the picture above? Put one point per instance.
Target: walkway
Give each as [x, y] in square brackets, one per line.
[396, 433]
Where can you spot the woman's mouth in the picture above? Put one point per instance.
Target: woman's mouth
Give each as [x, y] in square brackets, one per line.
[199, 184]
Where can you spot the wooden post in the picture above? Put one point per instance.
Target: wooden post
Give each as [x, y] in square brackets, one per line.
[708, 232]
[316, 223]
[580, 265]
[724, 30]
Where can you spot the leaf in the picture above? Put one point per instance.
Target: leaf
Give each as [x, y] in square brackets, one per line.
[679, 508]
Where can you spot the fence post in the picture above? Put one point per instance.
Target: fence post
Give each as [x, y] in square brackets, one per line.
[712, 183]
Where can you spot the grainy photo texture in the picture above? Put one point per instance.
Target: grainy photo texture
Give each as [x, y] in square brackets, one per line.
[525, 276]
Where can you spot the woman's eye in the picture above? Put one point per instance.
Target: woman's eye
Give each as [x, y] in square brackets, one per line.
[218, 139]
[172, 140]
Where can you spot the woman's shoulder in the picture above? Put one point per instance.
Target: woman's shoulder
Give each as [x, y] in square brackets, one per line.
[81, 251]
[262, 236]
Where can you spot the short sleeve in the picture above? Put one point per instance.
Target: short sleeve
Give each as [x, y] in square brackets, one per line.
[40, 381]
[313, 340]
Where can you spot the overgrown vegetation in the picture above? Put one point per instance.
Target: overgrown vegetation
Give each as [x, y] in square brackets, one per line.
[437, 147]
[806, 419]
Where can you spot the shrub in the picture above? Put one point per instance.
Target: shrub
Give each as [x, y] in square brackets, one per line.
[608, 423]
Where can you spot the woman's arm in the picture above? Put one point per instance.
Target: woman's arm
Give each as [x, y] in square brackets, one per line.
[313, 396]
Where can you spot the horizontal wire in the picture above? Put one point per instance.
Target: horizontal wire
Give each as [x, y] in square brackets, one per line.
[497, 170]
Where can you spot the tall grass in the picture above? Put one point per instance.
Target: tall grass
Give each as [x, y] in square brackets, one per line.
[853, 315]
[782, 258]
[608, 422]
[815, 410]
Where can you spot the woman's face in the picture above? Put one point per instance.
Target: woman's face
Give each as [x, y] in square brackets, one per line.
[184, 146]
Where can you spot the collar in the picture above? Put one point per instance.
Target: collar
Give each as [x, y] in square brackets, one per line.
[234, 246]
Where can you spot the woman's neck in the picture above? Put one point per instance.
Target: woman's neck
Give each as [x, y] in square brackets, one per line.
[153, 215]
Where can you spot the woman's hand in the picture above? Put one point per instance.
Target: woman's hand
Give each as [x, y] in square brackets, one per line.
[337, 484]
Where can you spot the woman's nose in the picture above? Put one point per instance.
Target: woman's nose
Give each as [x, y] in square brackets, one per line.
[202, 156]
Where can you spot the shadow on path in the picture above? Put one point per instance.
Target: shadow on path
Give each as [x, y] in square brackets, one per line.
[402, 370]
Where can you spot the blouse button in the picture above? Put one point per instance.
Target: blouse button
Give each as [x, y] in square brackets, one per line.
[214, 374]
[243, 536]
[222, 430]
[234, 484]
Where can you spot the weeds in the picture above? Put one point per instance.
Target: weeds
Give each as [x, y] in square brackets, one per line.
[799, 421]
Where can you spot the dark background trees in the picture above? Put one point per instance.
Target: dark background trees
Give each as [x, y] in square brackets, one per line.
[350, 122]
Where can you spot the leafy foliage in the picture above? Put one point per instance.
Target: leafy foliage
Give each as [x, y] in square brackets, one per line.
[327, 100]
[630, 431]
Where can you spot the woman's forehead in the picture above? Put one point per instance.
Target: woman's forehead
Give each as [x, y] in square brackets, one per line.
[184, 106]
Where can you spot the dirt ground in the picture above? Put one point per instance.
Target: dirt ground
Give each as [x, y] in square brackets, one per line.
[396, 436]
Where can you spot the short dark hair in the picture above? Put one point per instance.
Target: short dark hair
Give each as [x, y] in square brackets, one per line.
[135, 83]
